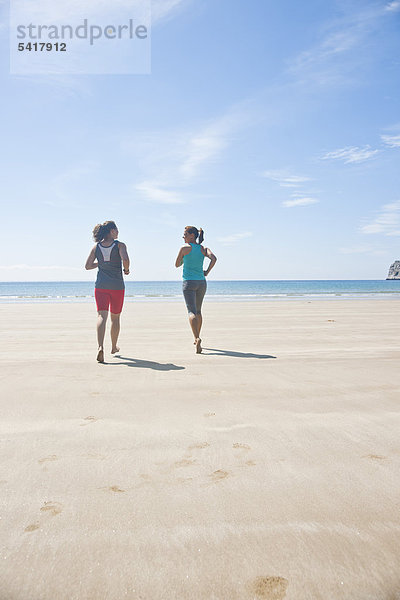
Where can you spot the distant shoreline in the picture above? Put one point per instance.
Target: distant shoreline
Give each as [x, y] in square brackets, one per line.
[218, 291]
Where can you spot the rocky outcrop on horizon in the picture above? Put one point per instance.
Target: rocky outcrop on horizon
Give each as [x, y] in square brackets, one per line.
[394, 271]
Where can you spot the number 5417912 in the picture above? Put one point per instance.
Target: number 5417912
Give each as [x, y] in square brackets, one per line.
[42, 47]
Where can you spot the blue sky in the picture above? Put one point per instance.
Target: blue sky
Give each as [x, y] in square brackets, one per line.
[274, 126]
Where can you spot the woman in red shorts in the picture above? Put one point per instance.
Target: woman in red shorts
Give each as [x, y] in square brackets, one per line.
[108, 256]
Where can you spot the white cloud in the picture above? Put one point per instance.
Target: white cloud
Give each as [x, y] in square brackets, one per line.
[284, 179]
[202, 148]
[387, 221]
[393, 6]
[287, 180]
[163, 9]
[340, 56]
[363, 249]
[300, 202]
[393, 141]
[234, 238]
[180, 156]
[351, 154]
[154, 192]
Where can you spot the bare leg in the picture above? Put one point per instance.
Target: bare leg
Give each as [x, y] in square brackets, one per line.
[200, 322]
[115, 329]
[101, 329]
[195, 323]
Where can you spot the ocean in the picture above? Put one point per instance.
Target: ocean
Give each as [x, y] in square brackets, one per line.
[139, 291]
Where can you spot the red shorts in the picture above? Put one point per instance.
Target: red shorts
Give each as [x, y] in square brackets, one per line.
[113, 299]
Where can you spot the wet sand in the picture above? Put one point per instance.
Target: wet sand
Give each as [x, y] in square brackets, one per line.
[267, 467]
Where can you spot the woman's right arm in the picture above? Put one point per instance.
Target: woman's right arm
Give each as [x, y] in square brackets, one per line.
[184, 251]
[91, 260]
[213, 260]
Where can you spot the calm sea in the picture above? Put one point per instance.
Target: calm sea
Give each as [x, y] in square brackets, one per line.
[137, 291]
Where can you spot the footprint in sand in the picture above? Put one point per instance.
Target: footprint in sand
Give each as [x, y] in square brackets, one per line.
[47, 458]
[375, 457]
[52, 508]
[270, 588]
[199, 446]
[185, 462]
[112, 488]
[32, 527]
[90, 419]
[219, 475]
[184, 479]
[242, 446]
[94, 456]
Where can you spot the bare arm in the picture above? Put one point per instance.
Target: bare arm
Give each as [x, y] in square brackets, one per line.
[184, 251]
[91, 262]
[213, 260]
[123, 252]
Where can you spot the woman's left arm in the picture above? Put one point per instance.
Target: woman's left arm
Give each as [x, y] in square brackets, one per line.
[123, 252]
[91, 262]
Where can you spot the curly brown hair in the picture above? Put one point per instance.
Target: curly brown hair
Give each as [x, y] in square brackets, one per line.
[100, 231]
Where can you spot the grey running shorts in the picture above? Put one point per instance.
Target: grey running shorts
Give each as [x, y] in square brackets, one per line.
[194, 292]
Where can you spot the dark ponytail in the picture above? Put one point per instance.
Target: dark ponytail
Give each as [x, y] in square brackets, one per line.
[198, 233]
[100, 231]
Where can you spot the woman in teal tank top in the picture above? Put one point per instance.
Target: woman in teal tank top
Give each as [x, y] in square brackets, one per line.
[192, 256]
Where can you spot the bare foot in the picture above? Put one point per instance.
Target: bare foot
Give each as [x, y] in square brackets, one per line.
[100, 355]
[115, 350]
[198, 346]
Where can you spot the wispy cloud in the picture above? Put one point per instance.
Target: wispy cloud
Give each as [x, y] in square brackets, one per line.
[363, 249]
[393, 141]
[181, 156]
[300, 202]
[387, 221]
[339, 57]
[202, 149]
[156, 193]
[351, 154]
[166, 9]
[284, 179]
[393, 6]
[234, 238]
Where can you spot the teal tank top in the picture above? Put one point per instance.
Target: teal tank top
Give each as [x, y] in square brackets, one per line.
[193, 264]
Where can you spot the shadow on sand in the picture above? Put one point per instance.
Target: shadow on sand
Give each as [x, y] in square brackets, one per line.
[144, 364]
[218, 352]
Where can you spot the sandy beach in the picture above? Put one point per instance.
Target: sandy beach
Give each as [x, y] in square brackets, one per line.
[266, 468]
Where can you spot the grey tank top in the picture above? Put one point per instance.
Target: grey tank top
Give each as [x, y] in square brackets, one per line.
[109, 274]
